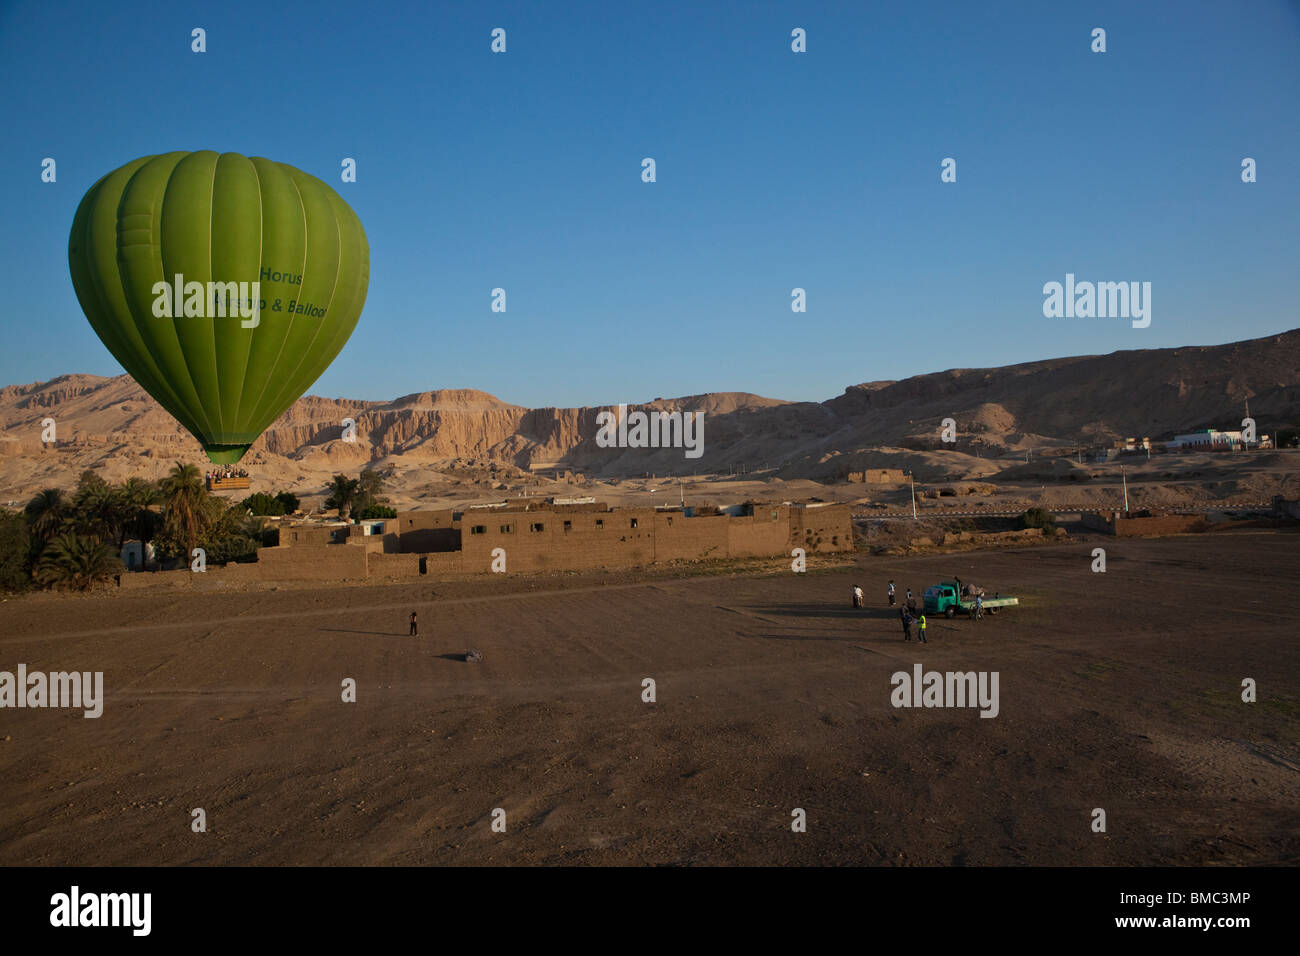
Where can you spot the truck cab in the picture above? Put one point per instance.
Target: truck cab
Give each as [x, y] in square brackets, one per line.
[941, 599]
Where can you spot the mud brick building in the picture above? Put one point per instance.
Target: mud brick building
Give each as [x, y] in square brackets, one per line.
[1140, 523]
[877, 476]
[535, 534]
[539, 535]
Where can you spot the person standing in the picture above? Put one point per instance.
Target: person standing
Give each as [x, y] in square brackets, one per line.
[979, 606]
[415, 625]
[891, 593]
[907, 624]
[857, 596]
[920, 629]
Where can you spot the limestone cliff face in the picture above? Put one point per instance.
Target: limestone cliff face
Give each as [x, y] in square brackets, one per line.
[110, 423]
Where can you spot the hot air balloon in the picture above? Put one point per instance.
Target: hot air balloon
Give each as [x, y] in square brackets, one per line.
[224, 285]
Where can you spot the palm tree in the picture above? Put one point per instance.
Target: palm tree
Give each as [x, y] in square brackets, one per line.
[76, 562]
[183, 497]
[97, 512]
[137, 495]
[343, 493]
[45, 513]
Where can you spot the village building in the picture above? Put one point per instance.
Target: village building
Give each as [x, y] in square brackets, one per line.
[536, 534]
[1211, 439]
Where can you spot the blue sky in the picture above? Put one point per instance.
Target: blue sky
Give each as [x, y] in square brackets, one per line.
[775, 170]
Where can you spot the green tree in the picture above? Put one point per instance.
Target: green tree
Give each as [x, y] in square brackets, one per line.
[1039, 518]
[343, 495]
[289, 500]
[263, 504]
[138, 498]
[89, 480]
[99, 510]
[15, 552]
[184, 507]
[235, 548]
[220, 521]
[378, 511]
[46, 513]
[370, 485]
[73, 561]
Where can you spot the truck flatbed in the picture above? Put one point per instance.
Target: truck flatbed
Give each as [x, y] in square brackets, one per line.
[945, 598]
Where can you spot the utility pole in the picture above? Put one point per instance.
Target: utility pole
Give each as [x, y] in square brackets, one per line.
[1124, 479]
[912, 477]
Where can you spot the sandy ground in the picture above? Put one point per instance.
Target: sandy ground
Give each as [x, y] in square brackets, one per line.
[1117, 690]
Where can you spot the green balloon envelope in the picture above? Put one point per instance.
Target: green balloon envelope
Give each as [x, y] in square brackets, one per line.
[273, 269]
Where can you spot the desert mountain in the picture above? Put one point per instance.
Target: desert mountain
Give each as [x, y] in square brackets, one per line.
[111, 424]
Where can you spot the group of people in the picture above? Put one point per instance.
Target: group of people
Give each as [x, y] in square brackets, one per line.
[910, 600]
[909, 614]
[212, 476]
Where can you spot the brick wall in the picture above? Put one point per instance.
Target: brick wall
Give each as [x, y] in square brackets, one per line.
[822, 529]
[214, 578]
[1137, 526]
[760, 535]
[381, 566]
[331, 563]
[304, 536]
[1162, 524]
[543, 540]
[678, 538]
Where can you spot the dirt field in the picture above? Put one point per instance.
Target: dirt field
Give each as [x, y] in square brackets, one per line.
[1118, 690]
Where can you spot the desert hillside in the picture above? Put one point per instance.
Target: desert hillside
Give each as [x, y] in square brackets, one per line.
[430, 437]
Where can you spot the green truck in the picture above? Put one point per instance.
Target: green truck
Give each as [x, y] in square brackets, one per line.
[946, 598]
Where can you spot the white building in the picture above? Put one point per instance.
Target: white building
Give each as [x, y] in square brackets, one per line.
[1211, 439]
[131, 556]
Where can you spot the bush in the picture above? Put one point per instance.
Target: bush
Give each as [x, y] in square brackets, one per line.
[1039, 518]
[73, 561]
[378, 511]
[263, 505]
[289, 500]
[238, 549]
